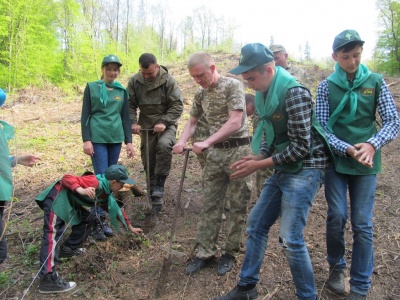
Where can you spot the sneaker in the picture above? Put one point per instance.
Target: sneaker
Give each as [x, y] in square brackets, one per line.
[66, 251]
[106, 229]
[236, 294]
[356, 296]
[97, 231]
[51, 283]
[336, 281]
[196, 265]
[158, 191]
[225, 264]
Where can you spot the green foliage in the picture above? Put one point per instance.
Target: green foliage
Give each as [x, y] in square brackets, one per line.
[387, 52]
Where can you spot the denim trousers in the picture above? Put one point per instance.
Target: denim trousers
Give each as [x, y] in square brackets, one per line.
[361, 194]
[104, 156]
[290, 197]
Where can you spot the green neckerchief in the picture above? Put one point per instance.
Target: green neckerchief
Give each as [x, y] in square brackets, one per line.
[103, 90]
[266, 107]
[339, 77]
[7, 129]
[113, 208]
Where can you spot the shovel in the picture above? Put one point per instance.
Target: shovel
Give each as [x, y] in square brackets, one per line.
[148, 166]
[169, 251]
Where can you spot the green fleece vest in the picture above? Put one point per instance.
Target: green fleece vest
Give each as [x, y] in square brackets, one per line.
[6, 186]
[361, 128]
[279, 120]
[105, 121]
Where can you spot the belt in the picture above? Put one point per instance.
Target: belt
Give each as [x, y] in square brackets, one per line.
[232, 143]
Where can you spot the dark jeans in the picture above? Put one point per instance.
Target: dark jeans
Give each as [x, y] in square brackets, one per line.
[3, 245]
[53, 228]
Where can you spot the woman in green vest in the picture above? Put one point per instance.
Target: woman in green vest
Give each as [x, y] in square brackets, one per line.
[346, 106]
[6, 162]
[105, 124]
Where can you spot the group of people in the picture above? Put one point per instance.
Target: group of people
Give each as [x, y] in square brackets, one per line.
[301, 148]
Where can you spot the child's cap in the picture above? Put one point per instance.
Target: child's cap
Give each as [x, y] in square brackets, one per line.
[110, 59]
[277, 48]
[118, 173]
[2, 97]
[345, 37]
[251, 56]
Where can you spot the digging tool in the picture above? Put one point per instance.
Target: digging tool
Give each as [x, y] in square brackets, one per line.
[169, 250]
[148, 167]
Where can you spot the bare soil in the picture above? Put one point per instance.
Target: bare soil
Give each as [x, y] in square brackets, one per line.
[129, 267]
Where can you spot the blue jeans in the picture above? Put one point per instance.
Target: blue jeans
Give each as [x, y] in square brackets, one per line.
[361, 194]
[288, 196]
[104, 156]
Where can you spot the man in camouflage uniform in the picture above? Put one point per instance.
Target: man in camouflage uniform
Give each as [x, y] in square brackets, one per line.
[280, 58]
[220, 100]
[156, 94]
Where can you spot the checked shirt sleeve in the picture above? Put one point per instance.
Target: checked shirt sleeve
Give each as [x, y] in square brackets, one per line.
[390, 119]
[338, 146]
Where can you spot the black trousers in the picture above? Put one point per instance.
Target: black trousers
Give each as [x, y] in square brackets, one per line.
[53, 229]
[3, 245]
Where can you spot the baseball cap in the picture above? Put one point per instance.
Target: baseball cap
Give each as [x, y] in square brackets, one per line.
[277, 48]
[110, 59]
[2, 97]
[345, 37]
[118, 173]
[251, 56]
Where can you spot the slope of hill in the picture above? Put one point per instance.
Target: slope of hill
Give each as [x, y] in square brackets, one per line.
[129, 267]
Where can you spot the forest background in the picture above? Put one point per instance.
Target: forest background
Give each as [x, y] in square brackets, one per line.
[62, 42]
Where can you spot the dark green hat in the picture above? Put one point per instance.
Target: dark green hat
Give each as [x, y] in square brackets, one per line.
[118, 173]
[346, 37]
[251, 56]
[110, 59]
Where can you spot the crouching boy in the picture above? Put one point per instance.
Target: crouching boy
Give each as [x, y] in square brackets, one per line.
[63, 204]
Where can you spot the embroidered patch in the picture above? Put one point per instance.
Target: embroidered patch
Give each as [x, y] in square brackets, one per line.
[367, 91]
[118, 98]
[277, 117]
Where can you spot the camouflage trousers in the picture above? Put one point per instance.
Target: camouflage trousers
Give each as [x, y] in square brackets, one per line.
[216, 183]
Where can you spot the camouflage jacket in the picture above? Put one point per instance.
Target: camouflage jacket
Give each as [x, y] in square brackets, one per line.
[159, 101]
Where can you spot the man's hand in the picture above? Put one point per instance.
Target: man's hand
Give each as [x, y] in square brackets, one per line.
[244, 167]
[199, 147]
[88, 148]
[27, 160]
[135, 129]
[178, 148]
[158, 128]
[89, 192]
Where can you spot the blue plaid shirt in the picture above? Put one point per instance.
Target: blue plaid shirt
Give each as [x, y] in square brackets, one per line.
[386, 110]
[305, 143]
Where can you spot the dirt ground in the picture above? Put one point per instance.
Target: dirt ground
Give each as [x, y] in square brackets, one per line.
[128, 267]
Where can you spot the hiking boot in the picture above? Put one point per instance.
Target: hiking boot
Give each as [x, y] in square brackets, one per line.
[158, 191]
[97, 231]
[196, 265]
[106, 229]
[51, 283]
[236, 294]
[356, 296]
[155, 209]
[336, 281]
[225, 264]
[66, 251]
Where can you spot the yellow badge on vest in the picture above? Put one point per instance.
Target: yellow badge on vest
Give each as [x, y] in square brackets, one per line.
[367, 91]
[117, 98]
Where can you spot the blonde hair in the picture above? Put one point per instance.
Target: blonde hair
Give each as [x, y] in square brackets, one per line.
[200, 58]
